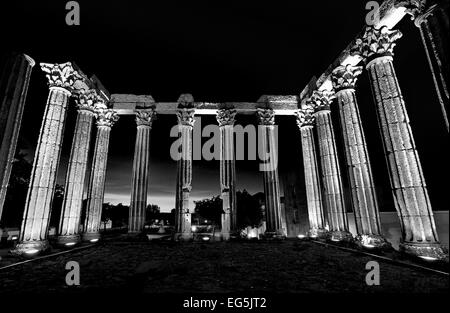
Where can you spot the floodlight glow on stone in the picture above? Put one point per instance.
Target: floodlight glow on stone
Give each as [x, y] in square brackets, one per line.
[32, 251]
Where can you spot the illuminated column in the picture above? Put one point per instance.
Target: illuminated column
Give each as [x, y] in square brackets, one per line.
[268, 146]
[407, 181]
[185, 116]
[36, 217]
[105, 120]
[76, 172]
[432, 19]
[139, 186]
[16, 79]
[331, 173]
[364, 199]
[226, 120]
[305, 122]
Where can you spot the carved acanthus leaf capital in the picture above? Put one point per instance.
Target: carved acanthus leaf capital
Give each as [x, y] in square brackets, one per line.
[321, 100]
[305, 117]
[266, 116]
[106, 117]
[376, 42]
[61, 75]
[345, 77]
[89, 100]
[145, 117]
[226, 117]
[186, 117]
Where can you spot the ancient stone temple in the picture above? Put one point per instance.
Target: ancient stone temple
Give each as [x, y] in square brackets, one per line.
[370, 52]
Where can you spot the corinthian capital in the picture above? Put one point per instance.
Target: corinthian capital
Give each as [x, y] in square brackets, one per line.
[345, 77]
[186, 117]
[266, 116]
[321, 100]
[376, 42]
[145, 117]
[88, 100]
[61, 75]
[305, 116]
[226, 117]
[106, 117]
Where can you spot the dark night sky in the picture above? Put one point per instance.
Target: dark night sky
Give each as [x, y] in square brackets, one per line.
[218, 51]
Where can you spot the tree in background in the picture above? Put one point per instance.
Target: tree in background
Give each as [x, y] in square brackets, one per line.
[152, 212]
[249, 211]
[210, 209]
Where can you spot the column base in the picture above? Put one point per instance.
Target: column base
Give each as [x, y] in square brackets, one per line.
[340, 236]
[91, 237]
[31, 248]
[425, 251]
[273, 235]
[372, 242]
[68, 240]
[318, 233]
[183, 236]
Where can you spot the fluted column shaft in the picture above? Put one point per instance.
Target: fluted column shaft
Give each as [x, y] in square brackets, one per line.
[75, 178]
[334, 193]
[268, 139]
[312, 183]
[14, 84]
[419, 236]
[139, 186]
[364, 198]
[43, 176]
[227, 172]
[434, 29]
[184, 175]
[407, 180]
[96, 191]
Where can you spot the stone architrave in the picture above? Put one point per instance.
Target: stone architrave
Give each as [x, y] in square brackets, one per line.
[419, 235]
[106, 118]
[331, 173]
[36, 217]
[226, 119]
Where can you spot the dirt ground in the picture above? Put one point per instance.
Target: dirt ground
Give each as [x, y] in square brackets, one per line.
[219, 267]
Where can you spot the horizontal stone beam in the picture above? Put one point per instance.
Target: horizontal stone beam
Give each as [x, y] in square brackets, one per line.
[126, 104]
[390, 15]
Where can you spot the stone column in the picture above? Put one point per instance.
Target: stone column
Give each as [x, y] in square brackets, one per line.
[76, 172]
[331, 173]
[36, 217]
[105, 120]
[14, 87]
[139, 184]
[225, 118]
[432, 19]
[364, 198]
[305, 122]
[419, 236]
[185, 116]
[267, 140]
